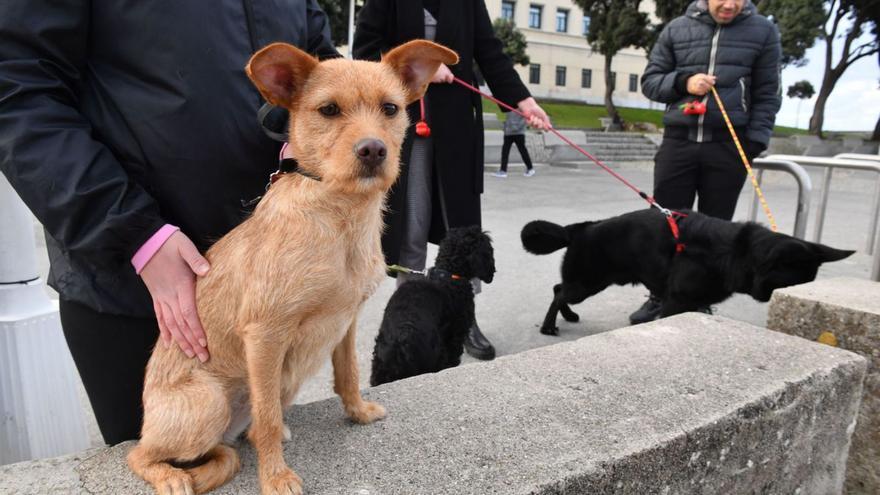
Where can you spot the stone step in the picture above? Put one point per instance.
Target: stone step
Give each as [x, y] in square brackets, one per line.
[848, 309]
[687, 404]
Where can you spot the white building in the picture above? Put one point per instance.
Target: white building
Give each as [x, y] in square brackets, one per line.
[563, 66]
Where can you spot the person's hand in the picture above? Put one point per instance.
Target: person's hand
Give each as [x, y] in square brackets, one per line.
[535, 115]
[443, 75]
[170, 276]
[699, 84]
[752, 149]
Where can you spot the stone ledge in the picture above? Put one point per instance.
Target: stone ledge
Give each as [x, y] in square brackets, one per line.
[687, 404]
[849, 308]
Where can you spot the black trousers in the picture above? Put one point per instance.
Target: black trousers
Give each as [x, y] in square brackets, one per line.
[713, 172]
[520, 141]
[111, 354]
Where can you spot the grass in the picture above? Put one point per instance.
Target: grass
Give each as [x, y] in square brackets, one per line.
[583, 116]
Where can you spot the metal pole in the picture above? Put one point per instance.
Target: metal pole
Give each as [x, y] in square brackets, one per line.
[753, 206]
[875, 270]
[40, 411]
[350, 27]
[805, 187]
[823, 203]
[875, 210]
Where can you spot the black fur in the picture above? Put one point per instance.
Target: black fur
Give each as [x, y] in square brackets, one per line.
[719, 258]
[426, 320]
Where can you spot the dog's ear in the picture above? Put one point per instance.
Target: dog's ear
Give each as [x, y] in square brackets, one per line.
[827, 253]
[795, 250]
[416, 62]
[278, 71]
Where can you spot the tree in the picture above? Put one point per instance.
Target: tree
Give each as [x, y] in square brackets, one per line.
[802, 90]
[800, 24]
[862, 17]
[614, 25]
[337, 13]
[513, 40]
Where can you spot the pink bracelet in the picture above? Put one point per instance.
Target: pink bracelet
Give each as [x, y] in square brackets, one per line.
[149, 248]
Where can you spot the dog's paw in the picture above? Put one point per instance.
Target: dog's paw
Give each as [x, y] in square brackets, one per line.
[178, 484]
[365, 412]
[550, 330]
[284, 482]
[285, 434]
[570, 316]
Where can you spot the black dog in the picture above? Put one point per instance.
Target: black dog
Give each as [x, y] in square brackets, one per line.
[718, 259]
[427, 320]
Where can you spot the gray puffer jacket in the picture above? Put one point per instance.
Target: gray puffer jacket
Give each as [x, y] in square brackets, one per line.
[744, 55]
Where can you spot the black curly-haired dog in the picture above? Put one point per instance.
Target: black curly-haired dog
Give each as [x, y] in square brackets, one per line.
[426, 320]
[719, 258]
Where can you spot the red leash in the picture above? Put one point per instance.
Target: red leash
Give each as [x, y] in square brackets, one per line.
[670, 215]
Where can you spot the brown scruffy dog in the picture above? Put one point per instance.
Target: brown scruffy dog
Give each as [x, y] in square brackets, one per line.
[286, 285]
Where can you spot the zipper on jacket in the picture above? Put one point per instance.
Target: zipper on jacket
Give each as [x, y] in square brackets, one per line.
[249, 19]
[712, 54]
[742, 88]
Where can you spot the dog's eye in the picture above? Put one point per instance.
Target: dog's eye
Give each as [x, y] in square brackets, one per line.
[330, 110]
[390, 109]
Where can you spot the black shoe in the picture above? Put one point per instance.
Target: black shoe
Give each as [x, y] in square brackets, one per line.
[648, 312]
[477, 345]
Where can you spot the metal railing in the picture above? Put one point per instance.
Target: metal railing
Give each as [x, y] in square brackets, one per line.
[847, 161]
[805, 187]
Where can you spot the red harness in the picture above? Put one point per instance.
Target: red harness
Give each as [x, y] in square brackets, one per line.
[673, 226]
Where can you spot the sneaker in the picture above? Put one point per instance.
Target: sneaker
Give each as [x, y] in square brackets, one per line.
[500, 173]
[648, 312]
[530, 172]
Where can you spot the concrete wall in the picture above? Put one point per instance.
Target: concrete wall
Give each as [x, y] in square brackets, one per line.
[849, 309]
[690, 404]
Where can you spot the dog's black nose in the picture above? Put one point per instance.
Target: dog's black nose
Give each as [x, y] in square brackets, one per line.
[371, 152]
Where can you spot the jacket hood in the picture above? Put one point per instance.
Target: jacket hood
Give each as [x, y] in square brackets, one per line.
[699, 10]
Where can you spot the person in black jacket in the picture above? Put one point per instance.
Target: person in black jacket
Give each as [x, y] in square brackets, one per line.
[727, 45]
[130, 131]
[441, 177]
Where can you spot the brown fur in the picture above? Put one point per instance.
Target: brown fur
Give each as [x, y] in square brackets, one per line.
[286, 285]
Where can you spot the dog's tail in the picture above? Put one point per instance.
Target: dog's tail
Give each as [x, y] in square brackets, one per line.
[219, 466]
[543, 237]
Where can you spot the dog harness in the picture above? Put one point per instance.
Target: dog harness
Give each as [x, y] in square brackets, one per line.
[671, 218]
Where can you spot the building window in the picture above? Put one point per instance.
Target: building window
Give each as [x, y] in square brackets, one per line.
[507, 10]
[561, 21]
[633, 83]
[586, 78]
[560, 75]
[586, 25]
[535, 16]
[535, 74]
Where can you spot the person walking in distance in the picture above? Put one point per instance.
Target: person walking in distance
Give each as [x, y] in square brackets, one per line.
[515, 133]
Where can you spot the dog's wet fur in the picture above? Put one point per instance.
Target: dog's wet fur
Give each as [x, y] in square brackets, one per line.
[285, 286]
[719, 259]
[426, 321]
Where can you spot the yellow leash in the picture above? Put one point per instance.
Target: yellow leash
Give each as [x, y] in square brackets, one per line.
[745, 160]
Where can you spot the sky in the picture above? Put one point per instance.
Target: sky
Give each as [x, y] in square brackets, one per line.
[854, 105]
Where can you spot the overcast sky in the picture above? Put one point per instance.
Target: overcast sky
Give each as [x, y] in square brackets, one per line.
[854, 104]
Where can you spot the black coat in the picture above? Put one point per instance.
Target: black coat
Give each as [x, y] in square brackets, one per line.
[454, 113]
[744, 55]
[118, 117]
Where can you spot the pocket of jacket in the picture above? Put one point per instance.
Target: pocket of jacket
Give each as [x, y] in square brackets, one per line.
[742, 87]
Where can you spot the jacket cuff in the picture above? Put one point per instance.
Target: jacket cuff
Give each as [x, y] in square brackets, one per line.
[149, 248]
[681, 80]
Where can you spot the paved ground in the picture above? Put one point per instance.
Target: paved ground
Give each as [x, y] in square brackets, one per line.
[511, 308]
